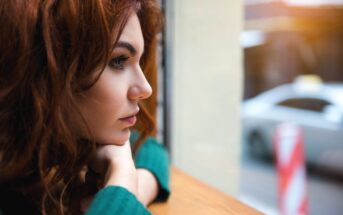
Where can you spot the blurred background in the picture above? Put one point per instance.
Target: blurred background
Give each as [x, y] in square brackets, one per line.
[231, 72]
[293, 72]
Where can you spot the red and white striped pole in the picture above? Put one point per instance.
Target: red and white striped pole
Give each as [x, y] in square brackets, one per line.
[288, 148]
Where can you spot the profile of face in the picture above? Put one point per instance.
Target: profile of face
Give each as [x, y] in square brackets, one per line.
[110, 106]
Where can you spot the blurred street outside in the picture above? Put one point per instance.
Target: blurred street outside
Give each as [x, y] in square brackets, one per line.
[258, 188]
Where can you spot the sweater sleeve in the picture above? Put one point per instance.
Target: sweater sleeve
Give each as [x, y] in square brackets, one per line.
[116, 200]
[152, 156]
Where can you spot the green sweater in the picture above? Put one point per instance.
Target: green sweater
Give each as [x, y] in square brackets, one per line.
[117, 200]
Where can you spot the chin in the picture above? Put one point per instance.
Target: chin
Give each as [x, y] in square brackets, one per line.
[118, 137]
[121, 137]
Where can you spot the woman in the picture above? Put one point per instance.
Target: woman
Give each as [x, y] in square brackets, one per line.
[71, 86]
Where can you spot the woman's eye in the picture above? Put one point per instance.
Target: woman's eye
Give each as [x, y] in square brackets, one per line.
[118, 62]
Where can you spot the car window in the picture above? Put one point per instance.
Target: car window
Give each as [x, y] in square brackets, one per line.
[311, 104]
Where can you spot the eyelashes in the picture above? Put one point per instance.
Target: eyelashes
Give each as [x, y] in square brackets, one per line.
[118, 63]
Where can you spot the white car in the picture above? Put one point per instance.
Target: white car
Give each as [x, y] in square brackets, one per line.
[318, 110]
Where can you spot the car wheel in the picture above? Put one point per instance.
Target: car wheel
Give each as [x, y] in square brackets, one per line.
[257, 147]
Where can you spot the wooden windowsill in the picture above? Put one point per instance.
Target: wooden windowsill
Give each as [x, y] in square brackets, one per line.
[190, 196]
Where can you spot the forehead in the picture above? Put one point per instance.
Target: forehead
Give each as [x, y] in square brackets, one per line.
[132, 33]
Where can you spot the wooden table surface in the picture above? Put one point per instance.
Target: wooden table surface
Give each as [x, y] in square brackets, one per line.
[190, 196]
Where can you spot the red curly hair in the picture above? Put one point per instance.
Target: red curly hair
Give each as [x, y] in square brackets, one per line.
[49, 51]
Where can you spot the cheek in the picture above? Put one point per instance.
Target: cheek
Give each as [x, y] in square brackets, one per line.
[103, 105]
[106, 100]
[108, 92]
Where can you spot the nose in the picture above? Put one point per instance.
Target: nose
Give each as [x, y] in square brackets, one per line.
[141, 89]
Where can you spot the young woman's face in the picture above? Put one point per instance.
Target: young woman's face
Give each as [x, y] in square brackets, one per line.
[111, 105]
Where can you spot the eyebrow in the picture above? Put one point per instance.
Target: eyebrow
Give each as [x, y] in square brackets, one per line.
[127, 46]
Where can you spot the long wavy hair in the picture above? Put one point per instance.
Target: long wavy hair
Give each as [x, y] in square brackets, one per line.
[49, 52]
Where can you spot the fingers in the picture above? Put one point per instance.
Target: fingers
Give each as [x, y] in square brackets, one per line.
[104, 154]
[113, 165]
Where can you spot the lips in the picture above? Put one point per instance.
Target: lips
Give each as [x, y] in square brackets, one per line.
[130, 120]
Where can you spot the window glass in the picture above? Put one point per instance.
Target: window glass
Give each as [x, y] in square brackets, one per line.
[293, 51]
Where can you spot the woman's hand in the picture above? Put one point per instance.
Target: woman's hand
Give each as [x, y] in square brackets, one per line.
[114, 166]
